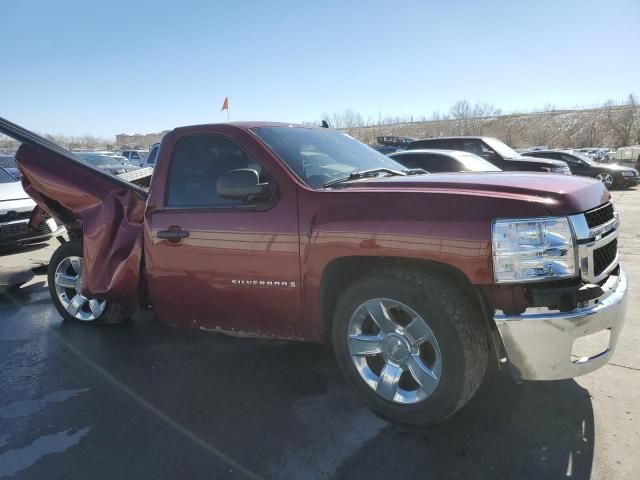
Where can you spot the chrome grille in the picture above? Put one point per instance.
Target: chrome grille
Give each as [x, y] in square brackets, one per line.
[604, 256]
[599, 216]
[596, 233]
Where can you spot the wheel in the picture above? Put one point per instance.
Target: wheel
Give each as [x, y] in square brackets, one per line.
[606, 178]
[65, 281]
[411, 344]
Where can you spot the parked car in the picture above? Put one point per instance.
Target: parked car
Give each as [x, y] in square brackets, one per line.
[150, 160]
[304, 233]
[493, 151]
[611, 175]
[119, 158]
[106, 163]
[439, 161]
[16, 208]
[8, 162]
[134, 157]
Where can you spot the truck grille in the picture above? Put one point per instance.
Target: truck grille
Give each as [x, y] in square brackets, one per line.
[12, 216]
[599, 216]
[604, 256]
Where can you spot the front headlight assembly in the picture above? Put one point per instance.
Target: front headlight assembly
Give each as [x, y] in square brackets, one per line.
[530, 250]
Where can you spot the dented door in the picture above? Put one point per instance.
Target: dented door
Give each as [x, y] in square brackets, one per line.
[108, 212]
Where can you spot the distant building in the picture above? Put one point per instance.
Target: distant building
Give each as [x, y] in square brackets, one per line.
[139, 140]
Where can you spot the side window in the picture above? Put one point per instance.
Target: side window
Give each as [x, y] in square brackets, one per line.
[477, 147]
[569, 159]
[440, 163]
[197, 163]
[408, 160]
[135, 156]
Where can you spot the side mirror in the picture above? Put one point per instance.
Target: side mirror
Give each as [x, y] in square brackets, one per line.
[241, 184]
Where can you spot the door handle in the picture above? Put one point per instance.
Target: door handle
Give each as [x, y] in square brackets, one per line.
[173, 234]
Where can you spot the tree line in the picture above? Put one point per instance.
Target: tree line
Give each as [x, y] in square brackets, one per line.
[612, 124]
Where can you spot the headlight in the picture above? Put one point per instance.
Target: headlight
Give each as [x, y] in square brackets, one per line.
[628, 173]
[530, 250]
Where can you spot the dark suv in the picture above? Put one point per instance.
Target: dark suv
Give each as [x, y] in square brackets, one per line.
[611, 175]
[494, 151]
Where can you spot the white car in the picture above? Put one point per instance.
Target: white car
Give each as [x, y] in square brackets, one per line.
[15, 211]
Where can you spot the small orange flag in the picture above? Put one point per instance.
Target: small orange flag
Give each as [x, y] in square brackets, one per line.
[225, 105]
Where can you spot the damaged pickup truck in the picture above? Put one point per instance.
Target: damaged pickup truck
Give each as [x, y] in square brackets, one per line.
[417, 281]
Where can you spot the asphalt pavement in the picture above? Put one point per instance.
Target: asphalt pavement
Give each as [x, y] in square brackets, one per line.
[142, 400]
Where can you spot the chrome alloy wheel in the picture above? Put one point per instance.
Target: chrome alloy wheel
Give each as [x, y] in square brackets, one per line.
[605, 178]
[394, 350]
[68, 283]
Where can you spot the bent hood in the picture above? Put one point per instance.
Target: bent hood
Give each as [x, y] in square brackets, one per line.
[109, 214]
[559, 194]
[108, 210]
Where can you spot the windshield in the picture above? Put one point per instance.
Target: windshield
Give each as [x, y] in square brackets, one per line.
[7, 161]
[98, 160]
[6, 177]
[473, 163]
[505, 151]
[318, 156]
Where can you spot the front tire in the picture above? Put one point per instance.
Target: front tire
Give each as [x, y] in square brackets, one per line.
[411, 344]
[64, 276]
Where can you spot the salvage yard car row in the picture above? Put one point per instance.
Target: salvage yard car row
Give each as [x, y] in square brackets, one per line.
[416, 280]
[444, 154]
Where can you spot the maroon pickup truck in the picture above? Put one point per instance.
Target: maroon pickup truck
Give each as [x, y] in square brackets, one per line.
[417, 281]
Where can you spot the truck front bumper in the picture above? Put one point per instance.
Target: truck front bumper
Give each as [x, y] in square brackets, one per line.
[539, 343]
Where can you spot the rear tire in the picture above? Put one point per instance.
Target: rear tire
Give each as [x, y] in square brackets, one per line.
[389, 365]
[64, 276]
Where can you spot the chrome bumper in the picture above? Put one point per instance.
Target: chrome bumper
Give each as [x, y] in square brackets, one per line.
[538, 344]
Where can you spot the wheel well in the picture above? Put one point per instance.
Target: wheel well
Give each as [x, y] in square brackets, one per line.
[341, 272]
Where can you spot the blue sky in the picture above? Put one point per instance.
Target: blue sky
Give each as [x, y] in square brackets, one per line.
[77, 67]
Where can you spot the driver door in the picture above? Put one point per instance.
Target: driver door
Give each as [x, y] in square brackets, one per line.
[215, 263]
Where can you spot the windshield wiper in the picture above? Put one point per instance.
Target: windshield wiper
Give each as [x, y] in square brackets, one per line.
[363, 174]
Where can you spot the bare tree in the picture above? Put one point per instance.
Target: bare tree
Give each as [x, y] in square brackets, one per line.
[620, 120]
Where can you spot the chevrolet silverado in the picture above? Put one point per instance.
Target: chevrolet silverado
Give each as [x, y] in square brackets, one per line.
[417, 281]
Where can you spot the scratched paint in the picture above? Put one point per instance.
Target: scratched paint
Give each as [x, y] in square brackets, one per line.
[18, 459]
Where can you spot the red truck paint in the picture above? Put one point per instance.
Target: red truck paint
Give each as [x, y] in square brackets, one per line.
[438, 218]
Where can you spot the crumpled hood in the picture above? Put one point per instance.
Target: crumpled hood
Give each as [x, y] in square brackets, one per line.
[559, 194]
[12, 191]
